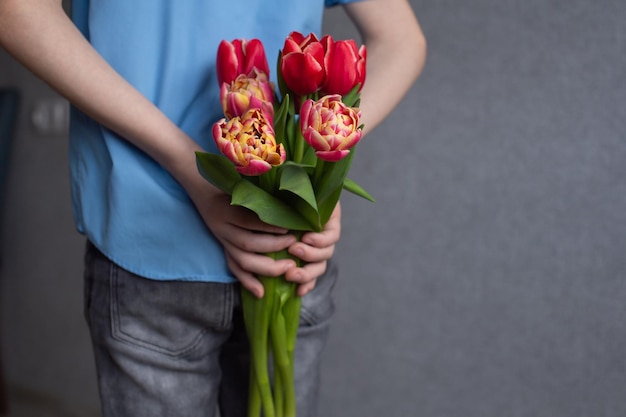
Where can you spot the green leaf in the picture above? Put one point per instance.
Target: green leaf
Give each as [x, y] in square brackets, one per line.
[296, 180]
[307, 167]
[282, 86]
[269, 208]
[280, 117]
[353, 97]
[328, 205]
[218, 170]
[332, 176]
[309, 158]
[292, 107]
[356, 189]
[309, 213]
[298, 141]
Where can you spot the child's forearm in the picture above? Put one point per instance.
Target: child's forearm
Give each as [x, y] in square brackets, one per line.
[39, 34]
[396, 52]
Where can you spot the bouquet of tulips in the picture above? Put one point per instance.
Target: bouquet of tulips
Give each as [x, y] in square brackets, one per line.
[285, 156]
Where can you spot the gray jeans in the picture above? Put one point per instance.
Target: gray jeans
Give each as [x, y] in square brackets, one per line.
[179, 349]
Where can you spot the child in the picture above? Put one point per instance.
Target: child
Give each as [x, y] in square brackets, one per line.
[165, 248]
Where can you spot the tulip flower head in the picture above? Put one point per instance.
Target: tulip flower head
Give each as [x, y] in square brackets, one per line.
[330, 127]
[302, 63]
[247, 92]
[345, 67]
[249, 142]
[240, 57]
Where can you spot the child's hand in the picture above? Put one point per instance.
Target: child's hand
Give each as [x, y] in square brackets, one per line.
[245, 239]
[315, 249]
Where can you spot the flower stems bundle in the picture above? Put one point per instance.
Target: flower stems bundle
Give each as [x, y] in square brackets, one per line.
[272, 322]
[287, 160]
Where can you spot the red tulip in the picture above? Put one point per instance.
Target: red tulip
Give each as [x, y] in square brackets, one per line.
[345, 67]
[249, 142]
[240, 57]
[302, 63]
[330, 127]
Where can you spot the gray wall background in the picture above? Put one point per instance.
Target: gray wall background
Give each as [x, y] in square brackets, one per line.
[489, 280]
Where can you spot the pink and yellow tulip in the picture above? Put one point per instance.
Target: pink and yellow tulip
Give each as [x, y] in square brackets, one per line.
[249, 142]
[330, 127]
[247, 92]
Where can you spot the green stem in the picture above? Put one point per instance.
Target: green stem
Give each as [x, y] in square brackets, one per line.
[278, 331]
[298, 151]
[291, 309]
[272, 325]
[319, 173]
[279, 398]
[259, 309]
[291, 312]
[254, 396]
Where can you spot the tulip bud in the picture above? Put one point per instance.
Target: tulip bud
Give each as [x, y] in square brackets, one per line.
[345, 67]
[302, 63]
[247, 92]
[330, 127]
[240, 57]
[249, 142]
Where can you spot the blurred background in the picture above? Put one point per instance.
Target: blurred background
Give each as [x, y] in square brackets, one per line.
[489, 279]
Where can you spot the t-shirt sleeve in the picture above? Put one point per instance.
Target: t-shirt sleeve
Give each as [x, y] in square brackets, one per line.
[330, 3]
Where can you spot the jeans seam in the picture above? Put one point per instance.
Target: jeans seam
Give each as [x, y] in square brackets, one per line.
[228, 306]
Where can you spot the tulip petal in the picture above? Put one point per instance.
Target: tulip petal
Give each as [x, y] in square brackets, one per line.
[351, 140]
[296, 37]
[228, 60]
[316, 52]
[217, 130]
[316, 140]
[361, 65]
[342, 74]
[230, 152]
[332, 156]
[329, 49]
[302, 73]
[236, 104]
[255, 58]
[291, 46]
[255, 167]
[305, 111]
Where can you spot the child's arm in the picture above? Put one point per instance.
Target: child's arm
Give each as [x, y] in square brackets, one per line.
[396, 52]
[39, 34]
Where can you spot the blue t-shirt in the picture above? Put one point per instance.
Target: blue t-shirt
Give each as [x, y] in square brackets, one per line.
[123, 201]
